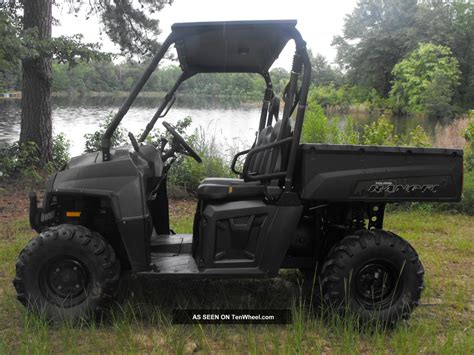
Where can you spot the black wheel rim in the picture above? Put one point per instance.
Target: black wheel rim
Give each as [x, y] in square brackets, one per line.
[64, 281]
[377, 284]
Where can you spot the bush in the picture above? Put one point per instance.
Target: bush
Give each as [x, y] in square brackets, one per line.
[469, 136]
[61, 155]
[380, 132]
[416, 138]
[93, 140]
[329, 96]
[317, 128]
[188, 174]
[23, 159]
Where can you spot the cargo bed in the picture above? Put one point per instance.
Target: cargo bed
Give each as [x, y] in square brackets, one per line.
[328, 172]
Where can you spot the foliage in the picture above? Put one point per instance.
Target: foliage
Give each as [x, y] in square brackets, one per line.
[416, 138]
[321, 72]
[23, 159]
[10, 44]
[469, 136]
[343, 97]
[127, 22]
[317, 128]
[109, 77]
[93, 140]
[375, 36]
[61, 155]
[378, 34]
[425, 80]
[380, 132]
[467, 202]
[130, 24]
[17, 44]
[450, 23]
[188, 174]
[436, 100]
[18, 158]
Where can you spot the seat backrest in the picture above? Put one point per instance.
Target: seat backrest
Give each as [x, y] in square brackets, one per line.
[256, 161]
[273, 110]
[273, 159]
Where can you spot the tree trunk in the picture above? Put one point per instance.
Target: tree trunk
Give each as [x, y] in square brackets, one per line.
[36, 123]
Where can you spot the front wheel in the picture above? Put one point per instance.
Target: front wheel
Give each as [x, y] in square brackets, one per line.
[66, 273]
[375, 275]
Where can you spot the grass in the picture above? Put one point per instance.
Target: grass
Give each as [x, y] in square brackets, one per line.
[140, 321]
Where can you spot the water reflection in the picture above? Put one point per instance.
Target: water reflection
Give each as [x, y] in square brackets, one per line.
[232, 121]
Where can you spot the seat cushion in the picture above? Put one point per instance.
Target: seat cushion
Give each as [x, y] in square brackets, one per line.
[230, 192]
[222, 181]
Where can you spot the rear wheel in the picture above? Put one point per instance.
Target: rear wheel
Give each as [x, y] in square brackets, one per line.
[67, 272]
[375, 275]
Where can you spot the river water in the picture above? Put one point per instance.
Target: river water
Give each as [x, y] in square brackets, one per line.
[231, 122]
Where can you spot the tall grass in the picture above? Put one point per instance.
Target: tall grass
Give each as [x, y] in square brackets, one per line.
[140, 321]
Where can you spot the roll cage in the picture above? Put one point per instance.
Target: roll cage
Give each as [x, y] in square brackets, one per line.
[236, 46]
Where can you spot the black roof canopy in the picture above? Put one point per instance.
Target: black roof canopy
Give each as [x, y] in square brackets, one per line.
[233, 46]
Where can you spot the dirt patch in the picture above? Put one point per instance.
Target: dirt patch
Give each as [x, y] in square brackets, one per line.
[180, 208]
[14, 196]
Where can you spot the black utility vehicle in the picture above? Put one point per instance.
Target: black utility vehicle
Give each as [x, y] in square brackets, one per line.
[318, 208]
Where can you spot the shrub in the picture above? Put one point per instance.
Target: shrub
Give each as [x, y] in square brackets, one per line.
[318, 129]
[351, 134]
[23, 159]
[380, 132]
[469, 136]
[188, 174]
[416, 138]
[93, 140]
[61, 155]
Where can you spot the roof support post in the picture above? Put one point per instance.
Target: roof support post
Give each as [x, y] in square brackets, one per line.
[169, 96]
[299, 114]
[106, 138]
[266, 100]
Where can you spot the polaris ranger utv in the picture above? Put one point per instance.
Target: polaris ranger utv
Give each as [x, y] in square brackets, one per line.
[318, 208]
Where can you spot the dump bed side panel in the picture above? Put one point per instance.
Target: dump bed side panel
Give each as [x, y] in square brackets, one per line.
[372, 173]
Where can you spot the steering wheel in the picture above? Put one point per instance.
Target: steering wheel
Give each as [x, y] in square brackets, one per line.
[188, 150]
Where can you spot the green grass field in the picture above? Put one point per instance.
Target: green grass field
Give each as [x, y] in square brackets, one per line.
[140, 321]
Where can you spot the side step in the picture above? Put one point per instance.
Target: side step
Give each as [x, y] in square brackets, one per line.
[164, 263]
[169, 265]
[171, 257]
[174, 244]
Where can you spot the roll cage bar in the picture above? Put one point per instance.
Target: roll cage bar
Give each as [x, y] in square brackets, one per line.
[293, 98]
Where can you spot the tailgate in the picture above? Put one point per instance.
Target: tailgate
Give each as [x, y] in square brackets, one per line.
[372, 173]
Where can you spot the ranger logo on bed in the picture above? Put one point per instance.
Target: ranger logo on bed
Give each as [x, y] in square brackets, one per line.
[390, 187]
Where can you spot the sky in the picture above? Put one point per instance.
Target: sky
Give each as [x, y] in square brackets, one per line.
[318, 21]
